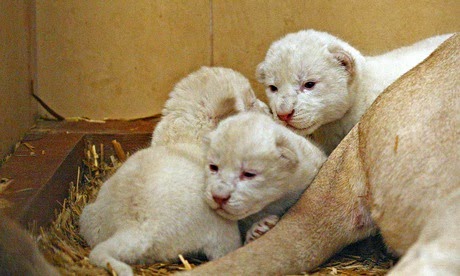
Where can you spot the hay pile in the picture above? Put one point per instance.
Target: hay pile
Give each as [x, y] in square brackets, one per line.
[65, 249]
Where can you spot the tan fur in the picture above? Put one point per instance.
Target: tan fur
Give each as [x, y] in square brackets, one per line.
[399, 165]
[19, 254]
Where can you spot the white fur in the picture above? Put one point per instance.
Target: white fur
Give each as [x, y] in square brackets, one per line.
[200, 101]
[152, 208]
[284, 164]
[346, 81]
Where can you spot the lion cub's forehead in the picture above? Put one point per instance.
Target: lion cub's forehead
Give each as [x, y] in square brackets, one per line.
[295, 58]
[244, 137]
[249, 134]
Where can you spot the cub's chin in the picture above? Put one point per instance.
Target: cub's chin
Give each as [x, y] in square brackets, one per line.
[302, 127]
[221, 212]
[302, 130]
[237, 213]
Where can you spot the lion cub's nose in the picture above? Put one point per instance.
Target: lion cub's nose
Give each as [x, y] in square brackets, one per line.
[286, 117]
[220, 200]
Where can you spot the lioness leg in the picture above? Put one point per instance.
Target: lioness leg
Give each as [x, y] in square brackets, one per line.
[437, 251]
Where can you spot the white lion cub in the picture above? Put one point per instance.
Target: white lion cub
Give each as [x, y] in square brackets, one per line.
[257, 170]
[319, 85]
[152, 208]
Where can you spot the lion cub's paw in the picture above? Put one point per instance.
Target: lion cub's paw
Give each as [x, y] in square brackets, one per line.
[261, 227]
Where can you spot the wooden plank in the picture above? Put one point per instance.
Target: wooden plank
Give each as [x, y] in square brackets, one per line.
[33, 192]
[129, 142]
[41, 181]
[39, 209]
[108, 127]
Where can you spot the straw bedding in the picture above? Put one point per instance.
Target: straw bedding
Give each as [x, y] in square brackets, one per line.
[65, 249]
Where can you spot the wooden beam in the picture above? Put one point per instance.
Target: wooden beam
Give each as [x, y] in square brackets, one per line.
[34, 192]
[47, 161]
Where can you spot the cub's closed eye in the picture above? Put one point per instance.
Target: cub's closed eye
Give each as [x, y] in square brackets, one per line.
[213, 168]
[273, 88]
[309, 84]
[248, 174]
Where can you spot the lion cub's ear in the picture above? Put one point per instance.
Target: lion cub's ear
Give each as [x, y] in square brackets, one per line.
[260, 72]
[287, 150]
[226, 108]
[344, 58]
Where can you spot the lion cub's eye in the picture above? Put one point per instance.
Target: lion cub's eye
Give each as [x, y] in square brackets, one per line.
[309, 85]
[213, 168]
[248, 174]
[273, 88]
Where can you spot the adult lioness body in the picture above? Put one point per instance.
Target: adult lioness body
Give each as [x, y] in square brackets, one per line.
[396, 171]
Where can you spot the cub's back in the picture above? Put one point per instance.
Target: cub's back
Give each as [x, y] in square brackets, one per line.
[156, 182]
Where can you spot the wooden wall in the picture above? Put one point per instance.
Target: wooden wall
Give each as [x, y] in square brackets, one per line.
[17, 108]
[117, 59]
